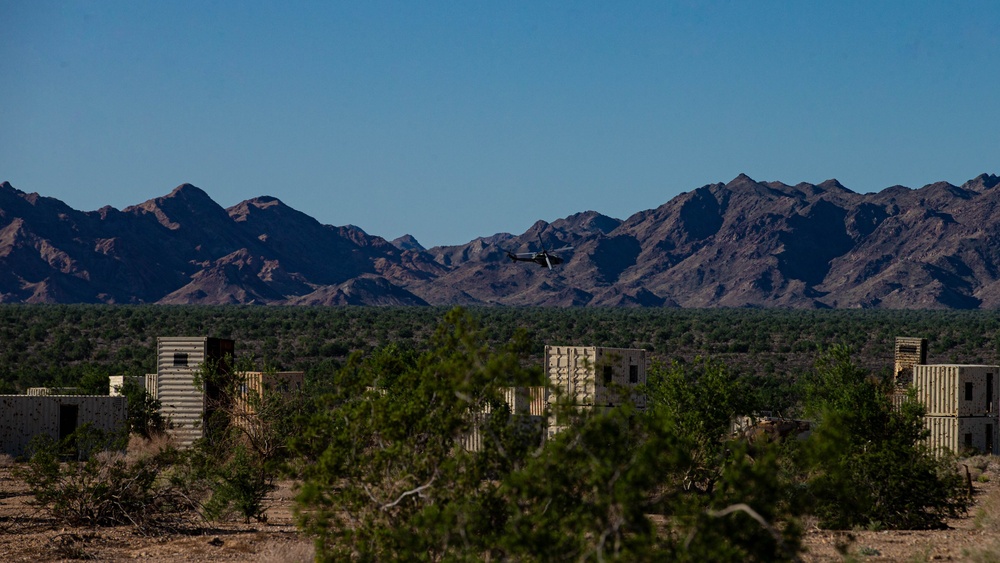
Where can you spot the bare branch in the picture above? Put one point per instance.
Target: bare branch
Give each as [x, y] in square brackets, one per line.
[416, 491]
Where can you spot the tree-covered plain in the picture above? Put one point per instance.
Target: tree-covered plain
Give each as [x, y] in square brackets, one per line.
[80, 345]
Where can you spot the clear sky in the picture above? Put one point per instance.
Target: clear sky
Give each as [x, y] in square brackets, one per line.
[452, 120]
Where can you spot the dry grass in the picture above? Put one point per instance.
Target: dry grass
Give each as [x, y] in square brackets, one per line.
[298, 552]
[986, 514]
[141, 448]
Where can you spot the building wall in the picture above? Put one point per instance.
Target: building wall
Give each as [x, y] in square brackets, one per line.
[116, 382]
[527, 404]
[596, 376]
[956, 434]
[183, 404]
[593, 377]
[909, 352]
[43, 391]
[957, 390]
[24, 416]
[256, 384]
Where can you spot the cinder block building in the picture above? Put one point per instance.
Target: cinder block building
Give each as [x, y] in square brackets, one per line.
[189, 405]
[595, 377]
[528, 404]
[961, 410]
[184, 404]
[255, 385]
[961, 406]
[147, 383]
[22, 417]
[909, 352]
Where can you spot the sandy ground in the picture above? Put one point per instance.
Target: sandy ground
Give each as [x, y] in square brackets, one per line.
[26, 534]
[974, 536]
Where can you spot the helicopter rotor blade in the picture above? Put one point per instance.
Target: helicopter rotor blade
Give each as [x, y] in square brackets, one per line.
[541, 243]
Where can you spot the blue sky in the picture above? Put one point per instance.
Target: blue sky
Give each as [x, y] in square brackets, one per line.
[452, 120]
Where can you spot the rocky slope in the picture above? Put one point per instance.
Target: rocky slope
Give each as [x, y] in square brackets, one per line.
[740, 244]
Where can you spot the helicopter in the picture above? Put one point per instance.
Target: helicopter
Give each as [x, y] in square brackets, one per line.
[544, 258]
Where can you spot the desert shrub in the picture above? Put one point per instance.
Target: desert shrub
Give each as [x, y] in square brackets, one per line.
[244, 446]
[107, 489]
[239, 486]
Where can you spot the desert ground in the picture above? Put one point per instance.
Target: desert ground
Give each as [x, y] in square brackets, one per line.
[28, 534]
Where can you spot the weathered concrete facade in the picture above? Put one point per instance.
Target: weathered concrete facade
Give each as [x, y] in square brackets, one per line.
[255, 385]
[596, 376]
[528, 404]
[23, 417]
[145, 382]
[957, 434]
[909, 352]
[957, 390]
[593, 377]
[183, 402]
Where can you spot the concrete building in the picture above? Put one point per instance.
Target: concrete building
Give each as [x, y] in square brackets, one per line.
[255, 385]
[957, 390]
[960, 400]
[909, 352]
[190, 405]
[147, 383]
[184, 403]
[528, 404]
[594, 377]
[961, 406]
[959, 434]
[23, 417]
[45, 391]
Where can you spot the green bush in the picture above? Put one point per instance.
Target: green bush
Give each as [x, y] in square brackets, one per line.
[144, 417]
[866, 461]
[384, 478]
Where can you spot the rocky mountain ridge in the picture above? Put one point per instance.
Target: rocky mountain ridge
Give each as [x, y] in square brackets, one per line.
[740, 244]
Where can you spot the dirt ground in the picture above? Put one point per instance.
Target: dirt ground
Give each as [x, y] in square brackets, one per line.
[26, 534]
[973, 537]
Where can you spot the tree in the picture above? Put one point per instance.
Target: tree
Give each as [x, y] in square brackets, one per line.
[384, 477]
[867, 464]
[245, 432]
[144, 417]
[701, 400]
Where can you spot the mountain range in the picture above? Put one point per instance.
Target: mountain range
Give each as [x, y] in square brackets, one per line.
[740, 244]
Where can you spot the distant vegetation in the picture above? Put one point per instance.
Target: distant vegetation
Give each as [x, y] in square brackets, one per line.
[381, 477]
[80, 345]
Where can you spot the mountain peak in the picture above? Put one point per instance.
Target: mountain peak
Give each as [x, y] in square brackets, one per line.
[741, 180]
[181, 205]
[189, 192]
[982, 182]
[407, 242]
[832, 184]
